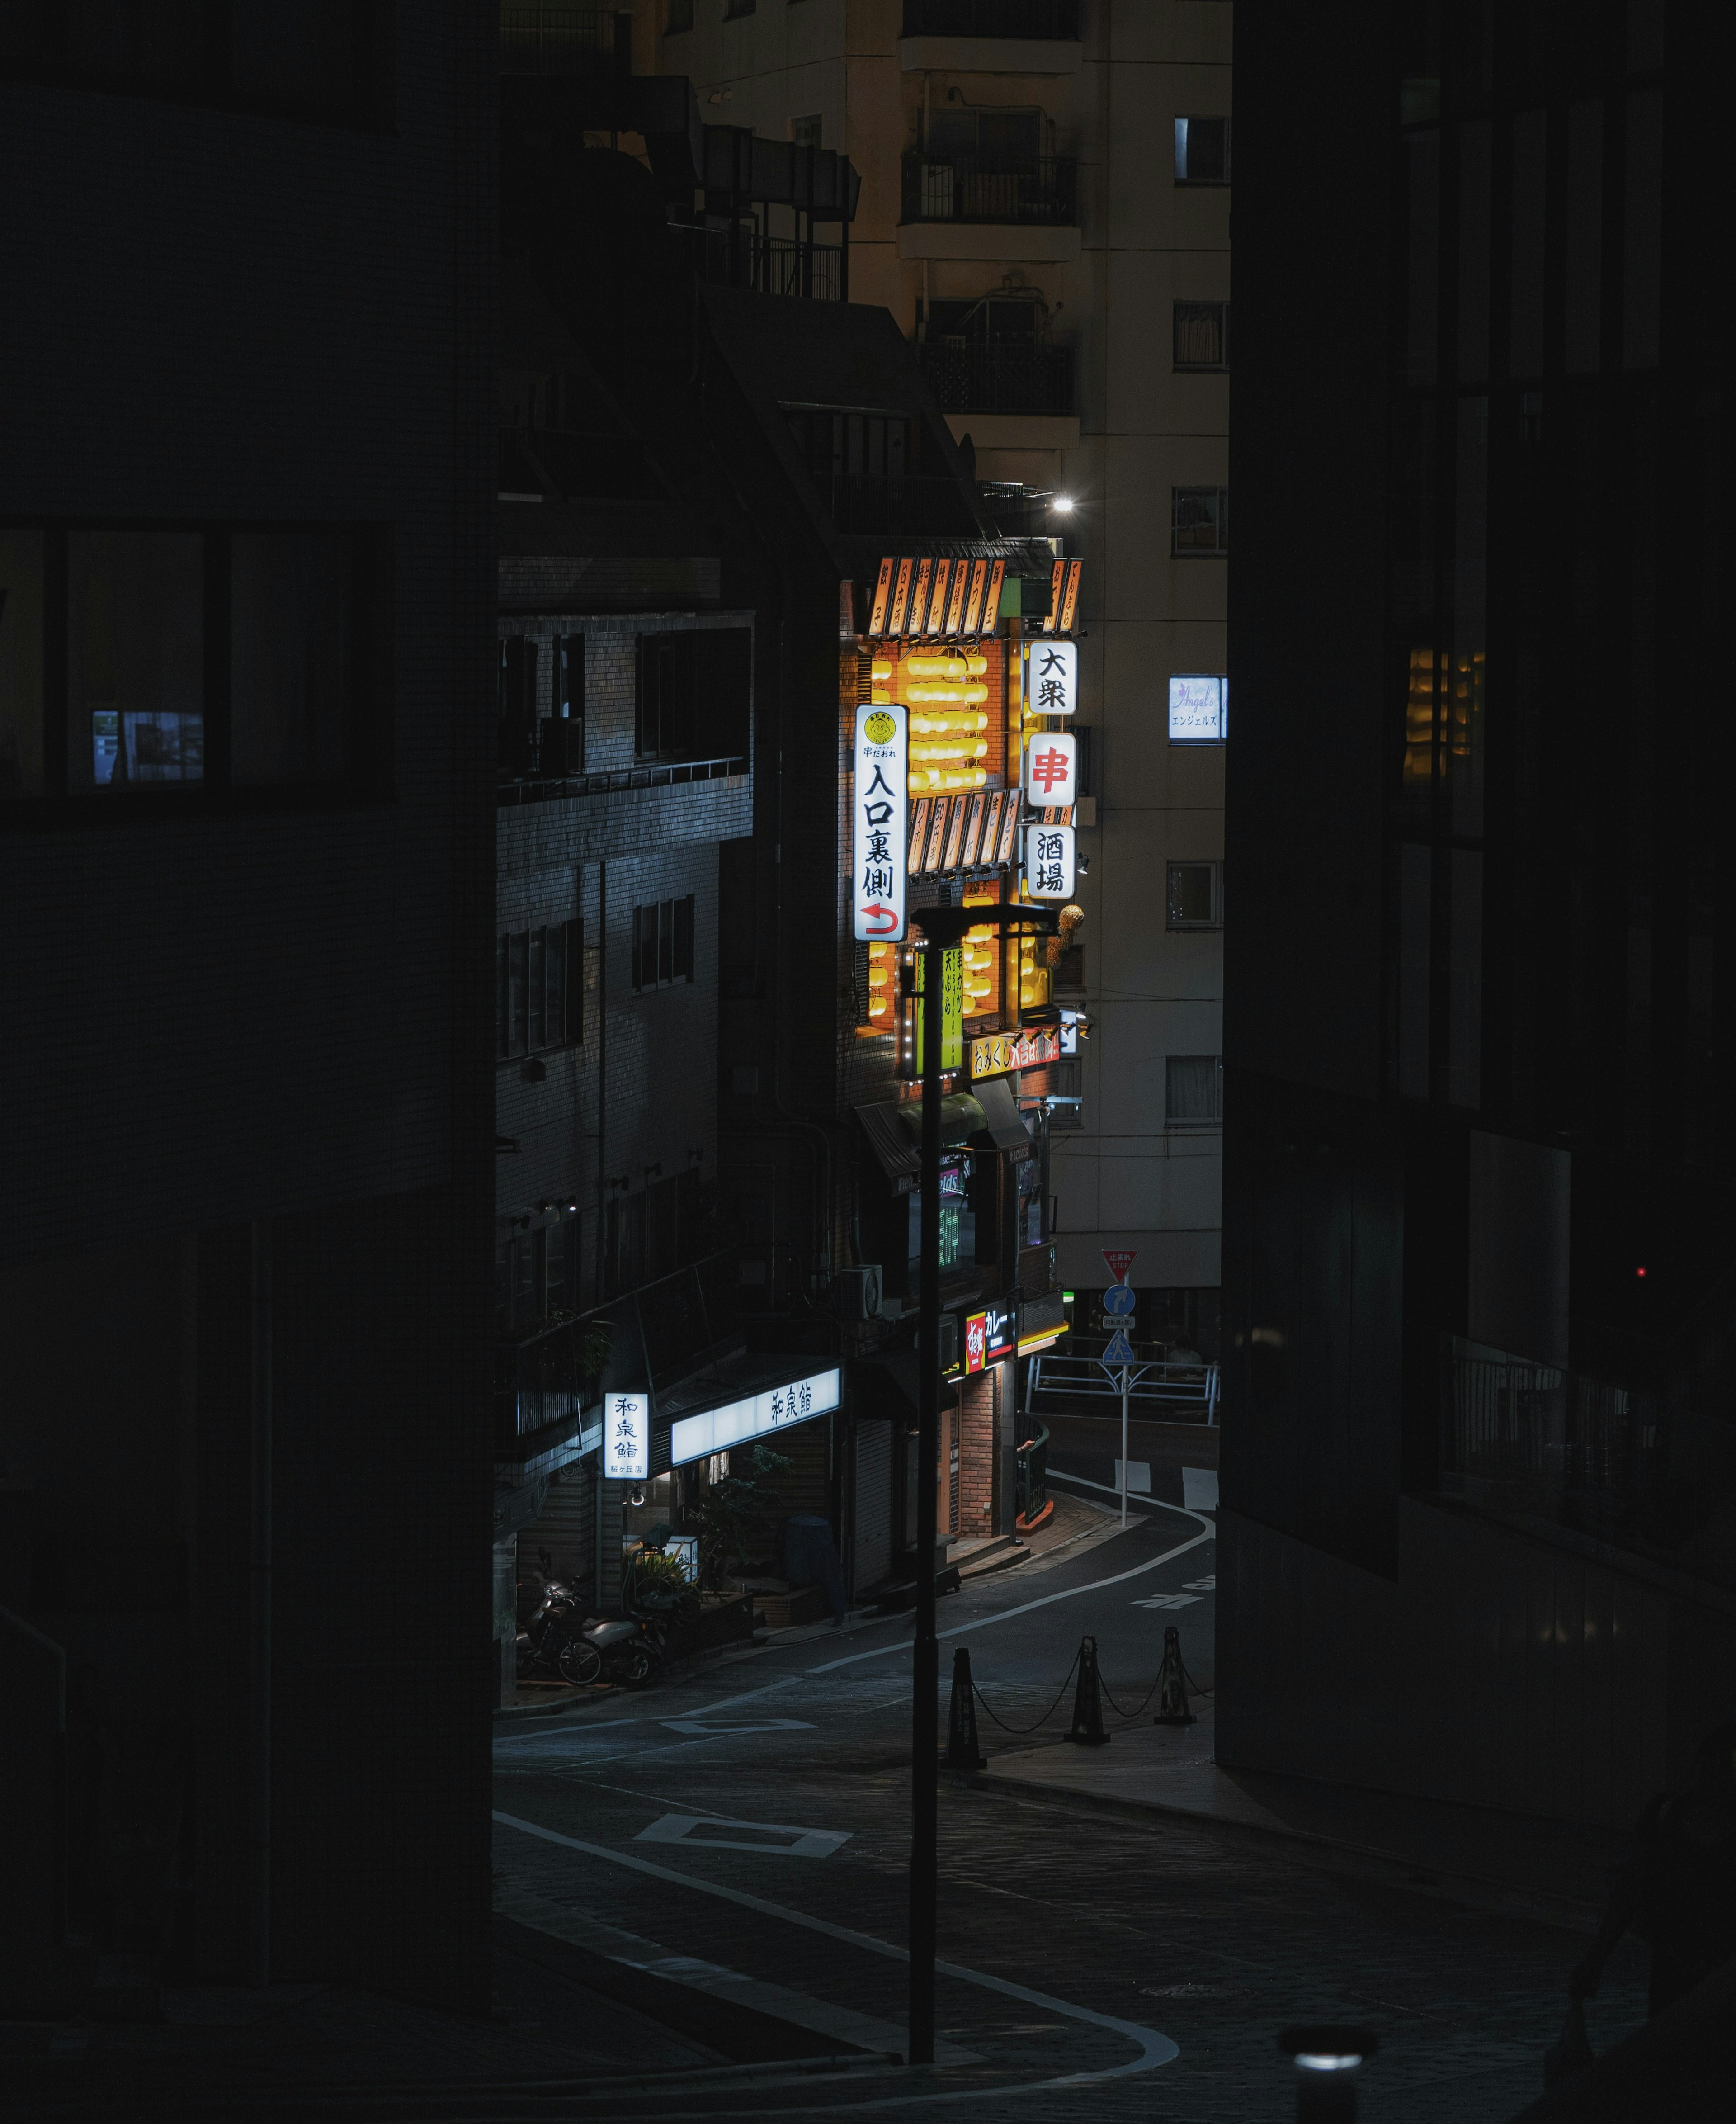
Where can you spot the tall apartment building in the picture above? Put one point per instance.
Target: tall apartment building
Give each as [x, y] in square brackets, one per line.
[246, 833]
[1044, 211]
[1480, 1473]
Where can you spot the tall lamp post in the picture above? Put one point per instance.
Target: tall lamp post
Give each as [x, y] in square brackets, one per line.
[943, 928]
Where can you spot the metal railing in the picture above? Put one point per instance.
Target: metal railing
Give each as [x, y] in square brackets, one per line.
[899, 502]
[1531, 1441]
[768, 265]
[531, 788]
[546, 1378]
[1032, 1479]
[992, 18]
[999, 379]
[967, 188]
[548, 38]
[1080, 1375]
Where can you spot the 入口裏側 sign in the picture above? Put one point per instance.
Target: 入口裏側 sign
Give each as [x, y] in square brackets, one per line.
[881, 811]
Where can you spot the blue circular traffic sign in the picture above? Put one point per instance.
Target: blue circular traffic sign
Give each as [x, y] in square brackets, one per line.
[1119, 1298]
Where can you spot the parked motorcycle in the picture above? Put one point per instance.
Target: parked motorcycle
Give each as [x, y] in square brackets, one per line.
[556, 1637]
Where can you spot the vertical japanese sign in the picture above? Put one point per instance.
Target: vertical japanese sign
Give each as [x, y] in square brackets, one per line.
[627, 1438]
[952, 1007]
[882, 816]
[1051, 677]
[976, 1341]
[1051, 769]
[1048, 862]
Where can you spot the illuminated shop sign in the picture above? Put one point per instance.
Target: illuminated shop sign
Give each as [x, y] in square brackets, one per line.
[996, 1053]
[1051, 677]
[627, 1437]
[881, 801]
[938, 598]
[1051, 769]
[976, 1341]
[952, 1006]
[697, 1437]
[1199, 709]
[1048, 862]
[1000, 1330]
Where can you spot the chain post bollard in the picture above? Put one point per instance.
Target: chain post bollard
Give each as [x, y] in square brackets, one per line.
[962, 1752]
[1087, 1725]
[1326, 2062]
[1172, 1683]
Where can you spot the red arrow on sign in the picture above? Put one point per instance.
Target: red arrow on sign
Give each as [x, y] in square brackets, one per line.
[1120, 1260]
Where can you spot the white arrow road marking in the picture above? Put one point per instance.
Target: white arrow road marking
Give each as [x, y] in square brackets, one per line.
[1166, 1600]
[796, 1843]
[1203, 1585]
[1154, 2048]
[703, 1722]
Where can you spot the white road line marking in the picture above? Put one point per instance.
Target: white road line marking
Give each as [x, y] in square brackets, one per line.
[808, 1843]
[1155, 2048]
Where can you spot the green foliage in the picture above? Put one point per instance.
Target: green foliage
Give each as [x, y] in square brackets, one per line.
[733, 1516]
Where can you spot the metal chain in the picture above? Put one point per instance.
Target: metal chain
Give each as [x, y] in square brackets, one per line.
[1044, 1720]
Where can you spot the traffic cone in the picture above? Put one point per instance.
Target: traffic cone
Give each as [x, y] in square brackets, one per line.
[962, 1752]
[1172, 1683]
[1087, 1725]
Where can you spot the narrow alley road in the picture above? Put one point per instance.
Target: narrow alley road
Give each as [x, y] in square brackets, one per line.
[754, 1817]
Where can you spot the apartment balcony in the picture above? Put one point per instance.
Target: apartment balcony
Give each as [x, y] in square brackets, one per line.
[768, 265]
[549, 39]
[968, 209]
[1005, 397]
[902, 504]
[991, 36]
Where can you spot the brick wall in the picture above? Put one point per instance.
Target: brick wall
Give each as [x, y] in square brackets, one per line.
[977, 1455]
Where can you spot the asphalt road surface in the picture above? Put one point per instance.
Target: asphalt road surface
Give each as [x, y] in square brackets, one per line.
[754, 1817]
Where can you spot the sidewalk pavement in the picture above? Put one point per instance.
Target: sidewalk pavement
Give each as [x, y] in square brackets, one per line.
[1553, 1872]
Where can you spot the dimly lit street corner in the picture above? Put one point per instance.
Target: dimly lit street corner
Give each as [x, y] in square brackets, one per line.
[770, 1347]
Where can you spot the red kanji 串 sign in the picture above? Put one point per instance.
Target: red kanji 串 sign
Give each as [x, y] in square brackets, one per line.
[1051, 762]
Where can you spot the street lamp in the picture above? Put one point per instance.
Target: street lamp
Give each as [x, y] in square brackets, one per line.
[943, 928]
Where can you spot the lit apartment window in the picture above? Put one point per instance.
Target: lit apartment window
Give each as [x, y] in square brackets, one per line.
[663, 943]
[1193, 1090]
[1199, 522]
[1202, 151]
[539, 989]
[1202, 335]
[1196, 895]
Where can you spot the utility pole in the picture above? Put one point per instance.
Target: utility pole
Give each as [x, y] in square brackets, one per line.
[943, 928]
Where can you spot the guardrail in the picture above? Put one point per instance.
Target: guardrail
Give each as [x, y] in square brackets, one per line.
[1044, 190]
[532, 789]
[1086, 1377]
[999, 379]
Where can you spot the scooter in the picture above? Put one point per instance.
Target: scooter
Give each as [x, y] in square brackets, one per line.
[560, 1637]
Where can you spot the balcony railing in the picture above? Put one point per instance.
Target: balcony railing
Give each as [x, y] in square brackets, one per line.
[768, 265]
[552, 39]
[530, 787]
[546, 1378]
[992, 18]
[967, 188]
[900, 502]
[1000, 379]
[1530, 1442]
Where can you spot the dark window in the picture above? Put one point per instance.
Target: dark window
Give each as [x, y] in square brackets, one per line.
[21, 646]
[836, 442]
[1202, 335]
[305, 58]
[135, 659]
[1196, 895]
[625, 1247]
[663, 943]
[1193, 1088]
[806, 132]
[1202, 151]
[540, 989]
[294, 680]
[733, 8]
[562, 748]
[680, 17]
[994, 141]
[695, 694]
[1199, 521]
[516, 704]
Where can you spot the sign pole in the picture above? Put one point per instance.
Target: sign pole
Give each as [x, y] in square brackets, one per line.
[1124, 1444]
[926, 1662]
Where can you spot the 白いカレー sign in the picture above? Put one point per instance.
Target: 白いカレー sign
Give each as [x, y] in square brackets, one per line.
[627, 1437]
[1051, 677]
[996, 1053]
[1051, 768]
[881, 817]
[1048, 862]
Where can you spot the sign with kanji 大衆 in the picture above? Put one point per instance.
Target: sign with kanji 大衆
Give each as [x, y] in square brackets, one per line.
[881, 808]
[627, 1437]
[1048, 862]
[1051, 768]
[1051, 677]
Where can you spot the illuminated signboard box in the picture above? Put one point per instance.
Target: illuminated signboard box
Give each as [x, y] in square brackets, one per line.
[627, 1437]
[1051, 677]
[739, 1423]
[1199, 709]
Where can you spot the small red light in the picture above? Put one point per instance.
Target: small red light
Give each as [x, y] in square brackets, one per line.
[1639, 1271]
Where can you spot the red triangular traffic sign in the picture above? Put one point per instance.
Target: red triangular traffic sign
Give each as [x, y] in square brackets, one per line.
[1120, 1260]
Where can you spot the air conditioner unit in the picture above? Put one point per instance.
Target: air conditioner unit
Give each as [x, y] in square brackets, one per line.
[856, 1292]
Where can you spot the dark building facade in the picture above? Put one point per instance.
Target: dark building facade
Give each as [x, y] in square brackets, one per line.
[246, 688]
[1479, 1474]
